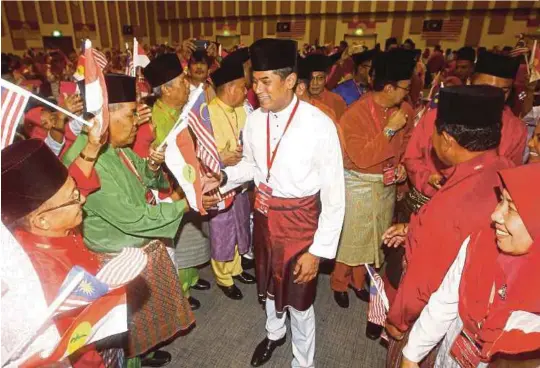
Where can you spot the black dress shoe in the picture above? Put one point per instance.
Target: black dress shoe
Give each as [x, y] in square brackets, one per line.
[361, 294]
[160, 358]
[194, 303]
[232, 292]
[245, 278]
[342, 298]
[263, 351]
[373, 331]
[201, 285]
[247, 264]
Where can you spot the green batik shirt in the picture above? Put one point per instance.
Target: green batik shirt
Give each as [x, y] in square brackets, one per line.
[163, 118]
[117, 215]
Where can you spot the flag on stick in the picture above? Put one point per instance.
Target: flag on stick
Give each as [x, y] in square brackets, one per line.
[13, 104]
[96, 90]
[139, 56]
[535, 63]
[378, 302]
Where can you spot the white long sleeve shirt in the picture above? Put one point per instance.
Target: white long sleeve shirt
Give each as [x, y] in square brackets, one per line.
[440, 317]
[308, 160]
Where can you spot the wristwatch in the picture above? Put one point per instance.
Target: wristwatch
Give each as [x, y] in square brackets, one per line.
[389, 132]
[224, 179]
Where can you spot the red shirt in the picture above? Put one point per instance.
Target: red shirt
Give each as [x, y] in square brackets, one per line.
[421, 161]
[462, 206]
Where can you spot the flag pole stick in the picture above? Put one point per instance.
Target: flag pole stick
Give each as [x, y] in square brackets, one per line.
[46, 102]
[49, 314]
[384, 299]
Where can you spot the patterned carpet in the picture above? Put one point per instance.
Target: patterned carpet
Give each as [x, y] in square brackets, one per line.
[228, 331]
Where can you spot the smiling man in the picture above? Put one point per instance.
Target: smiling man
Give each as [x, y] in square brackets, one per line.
[292, 152]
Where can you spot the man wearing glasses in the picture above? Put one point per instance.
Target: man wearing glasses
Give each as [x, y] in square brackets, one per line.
[355, 88]
[42, 205]
[376, 130]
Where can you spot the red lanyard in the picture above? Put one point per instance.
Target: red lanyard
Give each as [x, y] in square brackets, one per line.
[374, 114]
[228, 121]
[150, 199]
[270, 159]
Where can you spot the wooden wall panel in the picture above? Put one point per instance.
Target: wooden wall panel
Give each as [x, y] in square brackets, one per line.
[417, 17]
[315, 7]
[459, 5]
[150, 13]
[132, 10]
[523, 10]
[205, 9]
[75, 9]
[160, 10]
[218, 8]
[331, 7]
[381, 7]
[400, 6]
[186, 30]
[12, 14]
[315, 28]
[499, 4]
[230, 8]
[474, 31]
[45, 7]
[257, 27]
[439, 5]
[257, 9]
[123, 14]
[175, 31]
[245, 27]
[197, 29]
[480, 5]
[88, 11]
[182, 11]
[193, 9]
[398, 27]
[347, 6]
[61, 12]
[270, 7]
[497, 21]
[101, 15]
[163, 24]
[171, 9]
[284, 8]
[243, 6]
[300, 7]
[209, 28]
[113, 23]
[364, 7]
[29, 11]
[143, 30]
[330, 29]
[271, 26]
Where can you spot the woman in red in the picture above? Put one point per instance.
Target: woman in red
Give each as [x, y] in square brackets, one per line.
[488, 304]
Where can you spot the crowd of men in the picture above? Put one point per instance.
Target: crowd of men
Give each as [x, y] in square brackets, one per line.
[331, 154]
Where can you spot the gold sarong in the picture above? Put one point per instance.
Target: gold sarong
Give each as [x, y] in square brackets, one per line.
[369, 208]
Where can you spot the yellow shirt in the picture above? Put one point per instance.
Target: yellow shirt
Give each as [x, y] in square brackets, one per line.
[227, 123]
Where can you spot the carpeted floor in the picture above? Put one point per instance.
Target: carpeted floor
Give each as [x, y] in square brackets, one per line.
[228, 331]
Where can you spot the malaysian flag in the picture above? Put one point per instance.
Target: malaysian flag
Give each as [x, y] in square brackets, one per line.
[118, 272]
[100, 58]
[199, 122]
[443, 29]
[14, 100]
[378, 302]
[291, 29]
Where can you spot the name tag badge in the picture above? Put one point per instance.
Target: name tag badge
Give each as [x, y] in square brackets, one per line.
[262, 198]
[465, 351]
[389, 175]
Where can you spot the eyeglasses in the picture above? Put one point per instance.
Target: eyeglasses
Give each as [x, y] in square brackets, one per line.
[408, 89]
[75, 199]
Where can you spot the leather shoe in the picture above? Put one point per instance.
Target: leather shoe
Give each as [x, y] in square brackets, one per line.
[160, 358]
[232, 292]
[263, 351]
[361, 294]
[201, 285]
[342, 298]
[373, 331]
[247, 264]
[194, 303]
[245, 278]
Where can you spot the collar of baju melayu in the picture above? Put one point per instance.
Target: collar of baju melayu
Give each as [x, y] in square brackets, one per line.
[228, 109]
[168, 111]
[456, 174]
[46, 242]
[286, 112]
